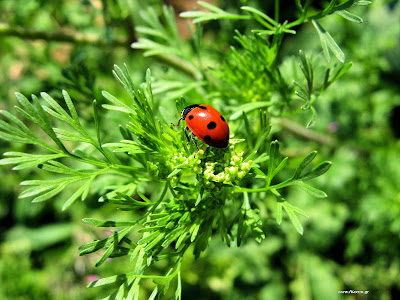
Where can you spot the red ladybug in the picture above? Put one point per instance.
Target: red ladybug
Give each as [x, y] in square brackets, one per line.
[207, 124]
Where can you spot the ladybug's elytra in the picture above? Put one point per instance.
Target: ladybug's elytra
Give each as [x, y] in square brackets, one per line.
[207, 124]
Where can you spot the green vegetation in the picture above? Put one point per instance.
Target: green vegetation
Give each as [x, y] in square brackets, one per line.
[291, 80]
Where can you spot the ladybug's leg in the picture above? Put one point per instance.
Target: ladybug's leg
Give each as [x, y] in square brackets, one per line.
[186, 129]
[179, 122]
[194, 141]
[192, 137]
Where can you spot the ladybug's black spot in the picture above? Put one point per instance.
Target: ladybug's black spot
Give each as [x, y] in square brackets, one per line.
[223, 119]
[207, 138]
[211, 125]
[202, 107]
[191, 117]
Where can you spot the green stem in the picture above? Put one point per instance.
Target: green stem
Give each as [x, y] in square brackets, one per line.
[180, 64]
[59, 36]
[296, 23]
[307, 133]
[277, 10]
[164, 192]
[247, 190]
[100, 163]
[327, 11]
[264, 189]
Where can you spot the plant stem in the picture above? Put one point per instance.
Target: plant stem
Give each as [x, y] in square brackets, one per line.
[264, 189]
[180, 64]
[277, 10]
[307, 133]
[59, 36]
[92, 40]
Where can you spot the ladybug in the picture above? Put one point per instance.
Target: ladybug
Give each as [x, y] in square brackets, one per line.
[207, 124]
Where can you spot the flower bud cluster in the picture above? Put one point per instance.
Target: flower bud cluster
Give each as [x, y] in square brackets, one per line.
[158, 170]
[180, 161]
[227, 167]
[214, 167]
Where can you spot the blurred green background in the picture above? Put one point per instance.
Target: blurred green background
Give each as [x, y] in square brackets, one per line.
[352, 238]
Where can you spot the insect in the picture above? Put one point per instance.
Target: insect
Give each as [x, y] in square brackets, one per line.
[207, 124]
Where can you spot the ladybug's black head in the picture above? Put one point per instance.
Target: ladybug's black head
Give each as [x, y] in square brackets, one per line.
[187, 109]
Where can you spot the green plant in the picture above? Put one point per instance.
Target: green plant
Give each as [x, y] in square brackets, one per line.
[178, 199]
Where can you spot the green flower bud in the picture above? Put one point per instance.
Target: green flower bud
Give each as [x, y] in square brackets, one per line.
[227, 177]
[210, 185]
[197, 170]
[246, 167]
[233, 170]
[174, 180]
[220, 177]
[241, 174]
[200, 153]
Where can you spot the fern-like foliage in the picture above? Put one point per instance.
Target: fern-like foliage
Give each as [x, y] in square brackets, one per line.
[186, 212]
[192, 196]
